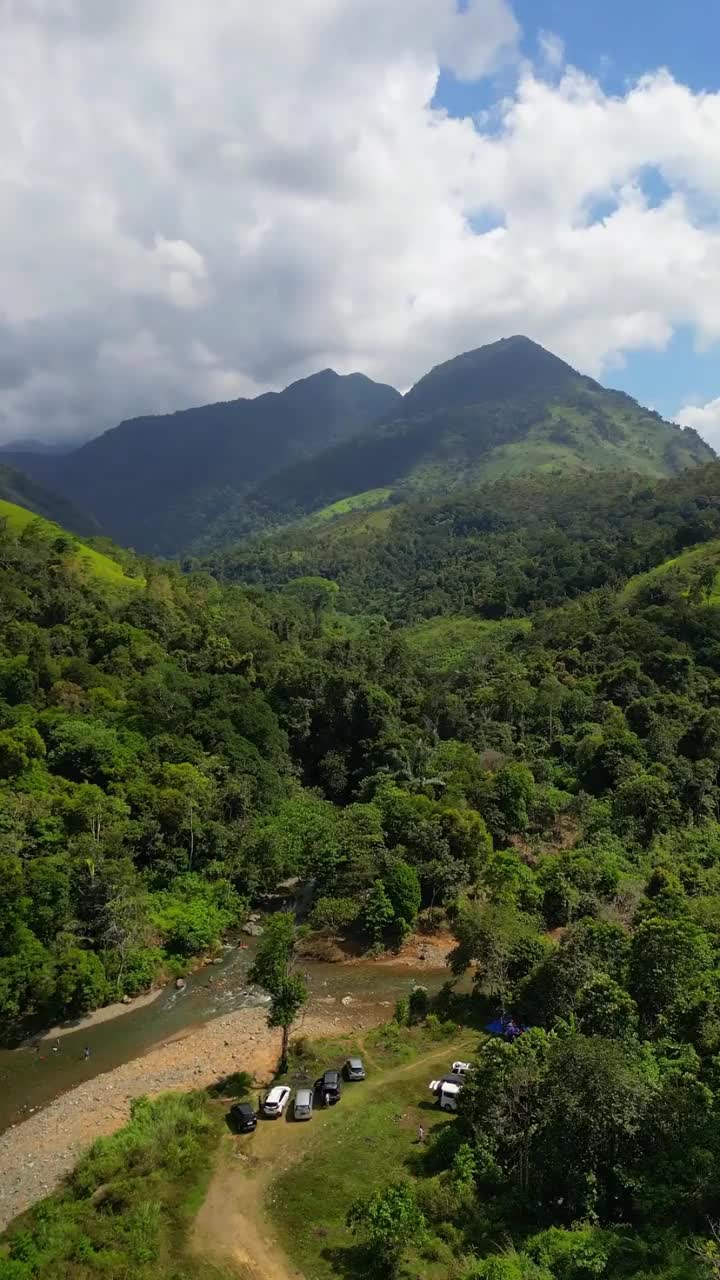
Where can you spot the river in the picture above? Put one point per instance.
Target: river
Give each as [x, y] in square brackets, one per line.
[30, 1078]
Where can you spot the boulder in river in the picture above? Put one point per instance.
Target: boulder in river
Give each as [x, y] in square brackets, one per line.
[180, 984]
[254, 930]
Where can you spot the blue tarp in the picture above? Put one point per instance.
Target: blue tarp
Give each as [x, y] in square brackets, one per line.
[506, 1027]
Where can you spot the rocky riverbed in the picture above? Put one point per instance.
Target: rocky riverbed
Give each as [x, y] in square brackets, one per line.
[37, 1154]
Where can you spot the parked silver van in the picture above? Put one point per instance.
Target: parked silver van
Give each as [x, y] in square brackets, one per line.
[303, 1108]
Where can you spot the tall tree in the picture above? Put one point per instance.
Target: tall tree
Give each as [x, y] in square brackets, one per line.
[273, 970]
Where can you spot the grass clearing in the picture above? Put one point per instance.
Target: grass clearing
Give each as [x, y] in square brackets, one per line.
[354, 502]
[370, 1138]
[451, 643]
[686, 566]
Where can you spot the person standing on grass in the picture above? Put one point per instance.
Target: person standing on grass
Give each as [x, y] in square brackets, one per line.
[421, 1136]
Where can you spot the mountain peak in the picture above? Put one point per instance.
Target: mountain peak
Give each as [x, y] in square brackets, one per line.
[508, 367]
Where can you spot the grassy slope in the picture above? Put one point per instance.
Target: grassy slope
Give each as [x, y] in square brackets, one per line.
[357, 502]
[567, 439]
[686, 565]
[445, 644]
[89, 561]
[128, 1204]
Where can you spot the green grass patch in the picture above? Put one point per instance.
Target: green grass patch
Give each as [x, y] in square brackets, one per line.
[355, 502]
[89, 562]
[128, 1204]
[446, 644]
[686, 566]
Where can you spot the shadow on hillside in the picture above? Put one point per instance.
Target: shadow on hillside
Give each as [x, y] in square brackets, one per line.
[353, 1261]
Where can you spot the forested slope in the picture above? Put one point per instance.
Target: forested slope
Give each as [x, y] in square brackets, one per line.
[497, 551]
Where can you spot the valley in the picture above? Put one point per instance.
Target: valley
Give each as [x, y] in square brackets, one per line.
[460, 673]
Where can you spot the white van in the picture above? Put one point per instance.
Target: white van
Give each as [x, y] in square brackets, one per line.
[446, 1093]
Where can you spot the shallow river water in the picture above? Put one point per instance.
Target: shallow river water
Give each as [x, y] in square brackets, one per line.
[30, 1077]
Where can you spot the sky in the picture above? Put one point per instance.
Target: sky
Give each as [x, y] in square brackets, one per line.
[203, 201]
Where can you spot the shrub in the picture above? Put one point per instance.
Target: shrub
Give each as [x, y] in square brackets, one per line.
[419, 1004]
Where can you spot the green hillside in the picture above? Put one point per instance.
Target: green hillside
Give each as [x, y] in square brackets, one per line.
[85, 560]
[505, 549]
[695, 571]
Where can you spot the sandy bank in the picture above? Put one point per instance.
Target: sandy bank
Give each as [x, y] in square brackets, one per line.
[97, 1016]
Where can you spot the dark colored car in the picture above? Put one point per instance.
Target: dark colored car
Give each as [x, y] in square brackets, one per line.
[243, 1117]
[329, 1088]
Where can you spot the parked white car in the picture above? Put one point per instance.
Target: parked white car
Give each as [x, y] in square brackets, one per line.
[446, 1093]
[276, 1101]
[461, 1068]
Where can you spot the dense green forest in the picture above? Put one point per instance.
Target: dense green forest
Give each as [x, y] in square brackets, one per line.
[504, 550]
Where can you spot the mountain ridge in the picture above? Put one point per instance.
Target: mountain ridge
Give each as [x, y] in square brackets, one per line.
[187, 482]
[141, 477]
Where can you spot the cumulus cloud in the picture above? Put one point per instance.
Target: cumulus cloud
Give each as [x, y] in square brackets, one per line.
[705, 418]
[199, 202]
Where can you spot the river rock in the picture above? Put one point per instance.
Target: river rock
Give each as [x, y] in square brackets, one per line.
[180, 984]
[254, 930]
[346, 1000]
[126, 1000]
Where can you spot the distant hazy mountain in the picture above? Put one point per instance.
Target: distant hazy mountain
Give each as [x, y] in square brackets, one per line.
[203, 478]
[156, 482]
[31, 445]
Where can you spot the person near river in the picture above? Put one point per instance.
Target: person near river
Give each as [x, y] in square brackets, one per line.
[86, 1053]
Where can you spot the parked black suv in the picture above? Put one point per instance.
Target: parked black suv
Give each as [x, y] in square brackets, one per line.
[243, 1117]
[329, 1088]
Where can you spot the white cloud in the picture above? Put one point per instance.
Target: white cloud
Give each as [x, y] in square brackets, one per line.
[552, 49]
[201, 201]
[705, 418]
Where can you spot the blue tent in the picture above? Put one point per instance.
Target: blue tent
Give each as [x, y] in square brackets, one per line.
[506, 1027]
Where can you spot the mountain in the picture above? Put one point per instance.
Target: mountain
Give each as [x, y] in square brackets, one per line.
[19, 489]
[154, 482]
[205, 478]
[507, 409]
[497, 371]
